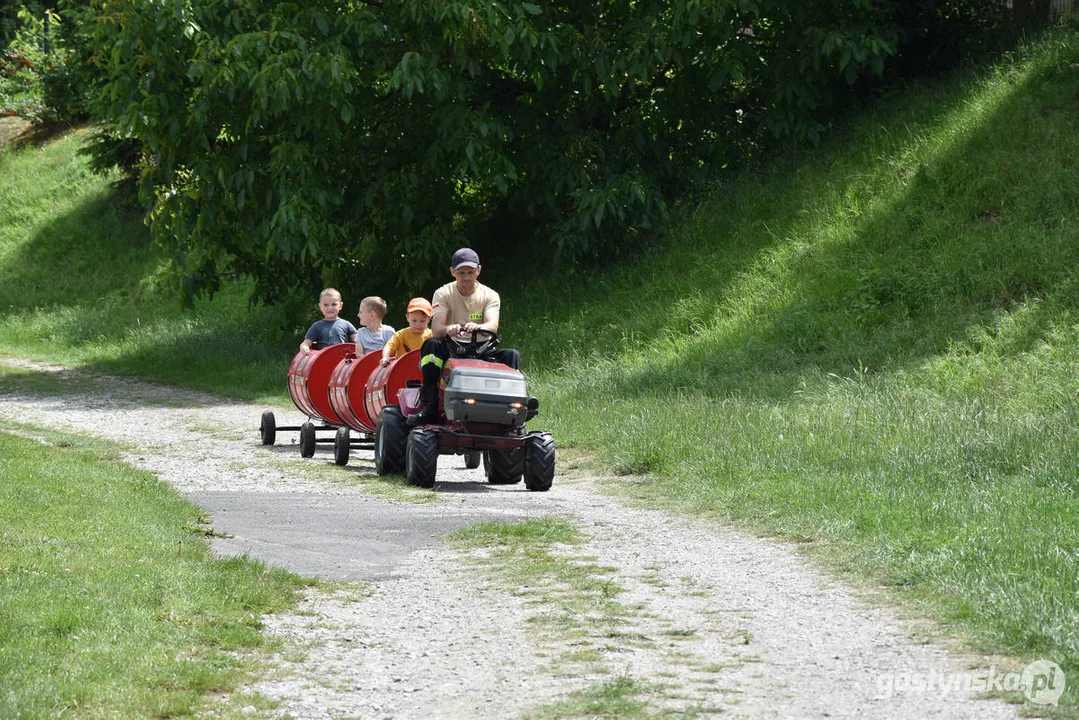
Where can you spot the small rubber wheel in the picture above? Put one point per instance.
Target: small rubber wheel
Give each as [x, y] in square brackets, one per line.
[341, 446]
[268, 428]
[307, 440]
[473, 459]
[539, 461]
[421, 457]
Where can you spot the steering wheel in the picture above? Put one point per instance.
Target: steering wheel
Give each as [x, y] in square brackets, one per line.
[475, 348]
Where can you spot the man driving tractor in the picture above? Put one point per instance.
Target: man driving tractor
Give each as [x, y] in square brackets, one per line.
[459, 309]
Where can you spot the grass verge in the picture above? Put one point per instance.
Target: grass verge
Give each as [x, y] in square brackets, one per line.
[110, 602]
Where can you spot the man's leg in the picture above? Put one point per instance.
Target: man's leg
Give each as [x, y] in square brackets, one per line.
[433, 356]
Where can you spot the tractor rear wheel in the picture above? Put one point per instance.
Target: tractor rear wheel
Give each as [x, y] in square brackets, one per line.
[391, 434]
[307, 440]
[341, 445]
[539, 461]
[473, 459]
[268, 428]
[421, 457]
[504, 467]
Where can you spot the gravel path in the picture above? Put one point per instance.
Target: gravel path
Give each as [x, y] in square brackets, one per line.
[710, 619]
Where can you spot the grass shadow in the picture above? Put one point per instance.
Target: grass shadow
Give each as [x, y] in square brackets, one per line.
[18, 133]
[887, 247]
[88, 287]
[98, 391]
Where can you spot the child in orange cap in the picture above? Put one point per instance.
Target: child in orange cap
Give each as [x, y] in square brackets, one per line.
[412, 337]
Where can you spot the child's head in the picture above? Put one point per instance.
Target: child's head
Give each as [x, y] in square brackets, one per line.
[418, 314]
[329, 302]
[372, 310]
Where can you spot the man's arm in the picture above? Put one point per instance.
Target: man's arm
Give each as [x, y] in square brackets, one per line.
[439, 329]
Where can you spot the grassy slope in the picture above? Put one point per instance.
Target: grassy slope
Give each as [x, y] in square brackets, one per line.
[871, 346]
[80, 282]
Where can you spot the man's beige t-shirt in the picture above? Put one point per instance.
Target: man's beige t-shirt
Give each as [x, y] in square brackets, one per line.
[458, 309]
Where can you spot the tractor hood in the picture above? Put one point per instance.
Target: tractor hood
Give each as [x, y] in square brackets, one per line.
[479, 391]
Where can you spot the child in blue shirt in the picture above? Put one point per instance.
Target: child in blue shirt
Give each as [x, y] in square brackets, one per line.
[331, 330]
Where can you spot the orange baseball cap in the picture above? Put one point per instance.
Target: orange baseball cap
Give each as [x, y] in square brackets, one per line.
[420, 304]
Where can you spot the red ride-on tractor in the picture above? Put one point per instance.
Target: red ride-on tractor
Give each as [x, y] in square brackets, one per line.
[483, 406]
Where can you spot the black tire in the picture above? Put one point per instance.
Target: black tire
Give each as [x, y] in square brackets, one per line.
[341, 445]
[504, 467]
[391, 435]
[539, 461]
[307, 440]
[473, 459]
[421, 457]
[268, 428]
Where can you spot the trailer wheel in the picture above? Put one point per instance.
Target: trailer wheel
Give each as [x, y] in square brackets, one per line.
[307, 440]
[504, 467]
[268, 428]
[473, 459]
[391, 434]
[539, 461]
[341, 445]
[421, 457]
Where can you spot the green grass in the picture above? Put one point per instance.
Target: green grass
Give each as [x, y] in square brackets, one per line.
[618, 698]
[869, 347]
[110, 604]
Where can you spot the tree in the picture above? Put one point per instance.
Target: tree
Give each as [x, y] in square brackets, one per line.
[294, 141]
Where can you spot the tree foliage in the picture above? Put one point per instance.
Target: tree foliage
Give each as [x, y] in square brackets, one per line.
[295, 142]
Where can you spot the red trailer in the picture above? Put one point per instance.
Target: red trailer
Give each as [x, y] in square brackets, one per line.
[308, 385]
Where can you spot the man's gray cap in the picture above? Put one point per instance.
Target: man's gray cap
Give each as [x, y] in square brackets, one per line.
[465, 257]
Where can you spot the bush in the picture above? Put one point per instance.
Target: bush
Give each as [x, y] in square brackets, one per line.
[301, 144]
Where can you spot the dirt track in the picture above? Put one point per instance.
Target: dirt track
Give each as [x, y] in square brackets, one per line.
[714, 618]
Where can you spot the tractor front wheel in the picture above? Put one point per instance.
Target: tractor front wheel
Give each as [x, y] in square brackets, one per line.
[421, 457]
[539, 461]
[473, 459]
[504, 467]
[391, 433]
